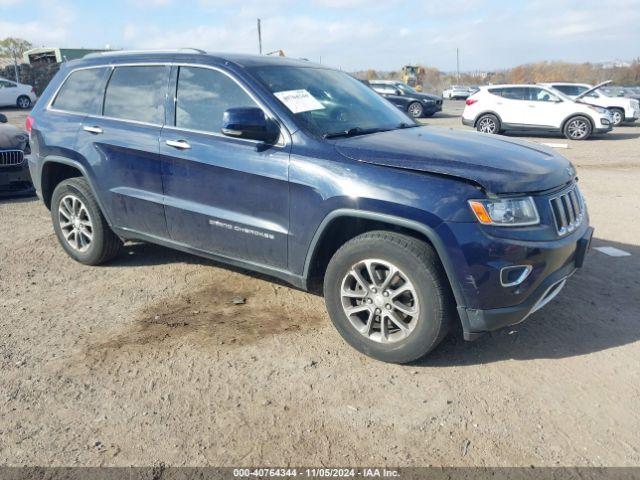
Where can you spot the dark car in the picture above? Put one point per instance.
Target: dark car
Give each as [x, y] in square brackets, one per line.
[301, 172]
[407, 99]
[14, 169]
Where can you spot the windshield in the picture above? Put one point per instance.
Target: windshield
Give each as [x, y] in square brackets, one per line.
[560, 94]
[327, 102]
[406, 88]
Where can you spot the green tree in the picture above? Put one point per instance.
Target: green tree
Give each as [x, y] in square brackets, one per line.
[14, 48]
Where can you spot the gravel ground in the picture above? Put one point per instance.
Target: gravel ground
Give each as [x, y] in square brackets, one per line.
[148, 360]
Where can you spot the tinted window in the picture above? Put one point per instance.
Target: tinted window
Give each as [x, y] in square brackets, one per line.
[5, 84]
[513, 93]
[203, 96]
[137, 93]
[82, 91]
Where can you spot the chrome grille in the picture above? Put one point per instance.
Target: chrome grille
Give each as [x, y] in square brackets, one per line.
[568, 210]
[11, 158]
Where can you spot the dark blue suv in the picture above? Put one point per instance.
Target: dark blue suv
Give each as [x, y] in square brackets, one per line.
[303, 173]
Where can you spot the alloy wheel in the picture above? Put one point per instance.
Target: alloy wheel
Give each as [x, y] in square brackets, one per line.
[617, 117]
[24, 102]
[577, 128]
[415, 110]
[75, 223]
[487, 125]
[380, 301]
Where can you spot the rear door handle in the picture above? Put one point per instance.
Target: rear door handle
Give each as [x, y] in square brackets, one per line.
[93, 129]
[180, 144]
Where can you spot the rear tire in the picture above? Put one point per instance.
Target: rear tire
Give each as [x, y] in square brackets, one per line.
[577, 128]
[79, 224]
[618, 116]
[397, 318]
[23, 102]
[488, 123]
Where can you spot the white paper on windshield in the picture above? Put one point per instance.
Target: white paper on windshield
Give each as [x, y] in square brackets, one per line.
[299, 100]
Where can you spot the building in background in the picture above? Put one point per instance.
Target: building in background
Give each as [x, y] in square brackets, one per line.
[47, 55]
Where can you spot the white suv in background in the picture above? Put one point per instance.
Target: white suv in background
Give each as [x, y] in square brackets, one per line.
[498, 108]
[16, 94]
[622, 109]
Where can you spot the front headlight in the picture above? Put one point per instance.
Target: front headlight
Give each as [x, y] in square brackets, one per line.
[599, 109]
[506, 212]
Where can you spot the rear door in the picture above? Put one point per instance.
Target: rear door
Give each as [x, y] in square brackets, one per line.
[121, 145]
[8, 93]
[228, 196]
[510, 105]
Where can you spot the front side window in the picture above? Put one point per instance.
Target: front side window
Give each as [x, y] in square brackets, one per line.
[327, 102]
[203, 95]
[137, 93]
[541, 95]
[82, 91]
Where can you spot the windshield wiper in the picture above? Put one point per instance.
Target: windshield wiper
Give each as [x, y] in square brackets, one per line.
[352, 132]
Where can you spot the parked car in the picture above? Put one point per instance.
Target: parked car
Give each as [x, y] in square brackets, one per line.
[622, 109]
[303, 173]
[16, 94]
[500, 108]
[14, 169]
[408, 99]
[456, 92]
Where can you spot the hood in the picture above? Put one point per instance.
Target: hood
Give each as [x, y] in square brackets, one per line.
[12, 137]
[426, 96]
[592, 89]
[498, 164]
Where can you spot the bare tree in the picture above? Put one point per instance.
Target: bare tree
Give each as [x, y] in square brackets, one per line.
[14, 48]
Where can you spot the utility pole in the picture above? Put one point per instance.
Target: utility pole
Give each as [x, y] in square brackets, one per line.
[259, 38]
[458, 63]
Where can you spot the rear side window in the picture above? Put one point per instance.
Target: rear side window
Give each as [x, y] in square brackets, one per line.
[513, 93]
[82, 91]
[137, 93]
[202, 97]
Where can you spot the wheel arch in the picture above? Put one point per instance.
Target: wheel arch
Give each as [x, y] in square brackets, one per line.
[55, 169]
[574, 115]
[487, 112]
[330, 236]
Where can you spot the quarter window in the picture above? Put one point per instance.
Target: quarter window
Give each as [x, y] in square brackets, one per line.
[137, 93]
[82, 91]
[203, 95]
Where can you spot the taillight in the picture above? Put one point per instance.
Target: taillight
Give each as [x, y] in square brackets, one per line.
[33, 90]
[471, 101]
[29, 124]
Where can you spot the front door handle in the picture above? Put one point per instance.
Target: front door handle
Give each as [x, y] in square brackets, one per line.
[180, 144]
[93, 129]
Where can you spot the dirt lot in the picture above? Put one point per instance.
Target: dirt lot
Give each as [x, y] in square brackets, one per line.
[147, 360]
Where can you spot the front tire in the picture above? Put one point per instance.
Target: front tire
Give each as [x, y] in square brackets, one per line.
[577, 128]
[415, 110]
[617, 115]
[388, 296]
[79, 224]
[23, 102]
[488, 123]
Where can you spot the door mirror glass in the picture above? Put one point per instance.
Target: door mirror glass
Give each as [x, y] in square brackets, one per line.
[3, 118]
[249, 123]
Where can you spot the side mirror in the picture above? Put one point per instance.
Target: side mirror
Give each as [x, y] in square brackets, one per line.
[3, 118]
[249, 123]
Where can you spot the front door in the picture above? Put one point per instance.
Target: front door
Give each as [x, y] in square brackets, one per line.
[226, 196]
[544, 109]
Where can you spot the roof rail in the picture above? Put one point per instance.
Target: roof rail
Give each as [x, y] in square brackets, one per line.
[135, 52]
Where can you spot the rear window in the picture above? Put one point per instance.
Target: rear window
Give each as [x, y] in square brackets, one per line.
[82, 91]
[137, 93]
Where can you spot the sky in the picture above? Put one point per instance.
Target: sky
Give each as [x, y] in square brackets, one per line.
[348, 34]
